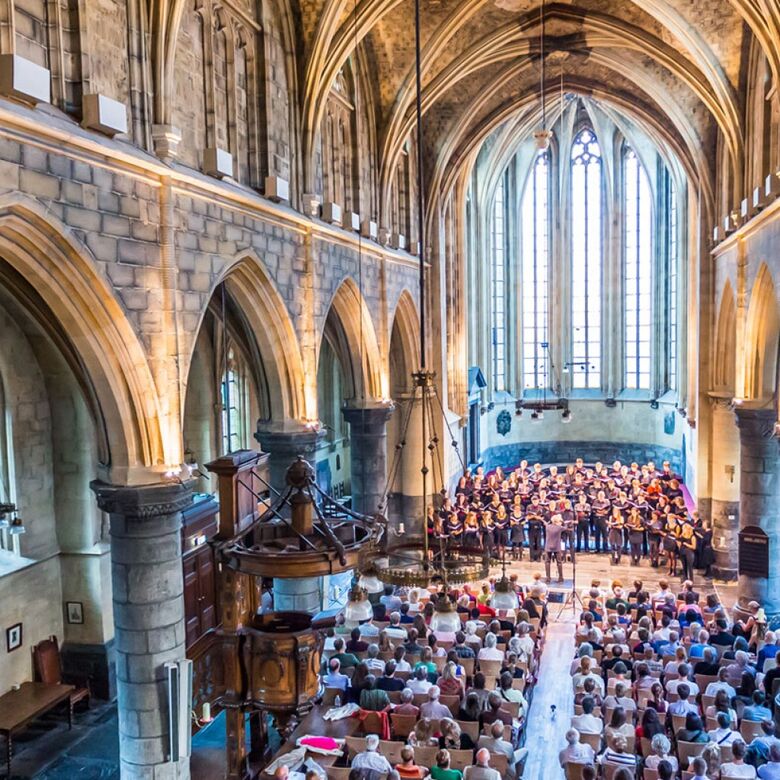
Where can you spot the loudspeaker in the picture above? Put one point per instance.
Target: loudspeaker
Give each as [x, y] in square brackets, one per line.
[179, 675]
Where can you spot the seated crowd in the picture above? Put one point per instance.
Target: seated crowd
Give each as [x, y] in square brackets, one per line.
[666, 685]
[440, 682]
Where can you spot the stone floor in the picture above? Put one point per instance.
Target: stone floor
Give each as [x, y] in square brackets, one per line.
[49, 751]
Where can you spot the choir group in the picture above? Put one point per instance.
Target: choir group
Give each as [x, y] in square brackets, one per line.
[633, 509]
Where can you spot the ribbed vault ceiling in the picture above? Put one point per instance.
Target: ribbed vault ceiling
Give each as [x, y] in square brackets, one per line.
[672, 65]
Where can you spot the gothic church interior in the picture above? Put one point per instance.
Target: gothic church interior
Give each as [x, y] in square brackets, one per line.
[211, 230]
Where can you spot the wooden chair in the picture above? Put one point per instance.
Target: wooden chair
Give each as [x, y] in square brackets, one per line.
[491, 669]
[394, 696]
[507, 731]
[426, 756]
[649, 774]
[611, 769]
[468, 665]
[469, 727]
[703, 680]
[678, 722]
[355, 745]
[573, 771]
[688, 750]
[750, 729]
[372, 723]
[707, 701]
[391, 750]
[338, 772]
[402, 725]
[419, 699]
[453, 702]
[48, 669]
[460, 759]
[594, 740]
[646, 748]
[329, 697]
[500, 763]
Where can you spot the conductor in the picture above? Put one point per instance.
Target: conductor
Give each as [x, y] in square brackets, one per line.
[553, 546]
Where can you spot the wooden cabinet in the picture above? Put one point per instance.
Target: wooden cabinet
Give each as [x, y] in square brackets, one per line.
[200, 577]
[200, 607]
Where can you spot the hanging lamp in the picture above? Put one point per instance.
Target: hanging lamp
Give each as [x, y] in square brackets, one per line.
[414, 557]
[542, 137]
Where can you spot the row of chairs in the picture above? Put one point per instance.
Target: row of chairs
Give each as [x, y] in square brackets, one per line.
[425, 756]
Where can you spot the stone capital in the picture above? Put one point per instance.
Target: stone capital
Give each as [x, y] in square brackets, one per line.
[756, 423]
[166, 140]
[368, 416]
[143, 502]
[721, 401]
[289, 443]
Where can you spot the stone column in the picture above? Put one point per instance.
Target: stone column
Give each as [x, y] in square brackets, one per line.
[758, 498]
[148, 591]
[368, 453]
[724, 480]
[407, 488]
[301, 594]
[284, 447]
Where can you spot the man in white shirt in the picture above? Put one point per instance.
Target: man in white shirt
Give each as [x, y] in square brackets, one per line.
[682, 706]
[433, 708]
[620, 699]
[496, 743]
[390, 600]
[368, 630]
[724, 734]
[587, 723]
[771, 770]
[334, 678]
[578, 680]
[490, 652]
[737, 766]
[684, 671]
[370, 758]
[374, 663]
[481, 770]
[575, 751]
[721, 684]
[419, 683]
[395, 630]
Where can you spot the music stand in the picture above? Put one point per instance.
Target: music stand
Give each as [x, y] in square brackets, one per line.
[573, 598]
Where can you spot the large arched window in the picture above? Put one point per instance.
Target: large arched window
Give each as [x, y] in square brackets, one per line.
[235, 403]
[586, 260]
[498, 325]
[673, 258]
[535, 271]
[637, 272]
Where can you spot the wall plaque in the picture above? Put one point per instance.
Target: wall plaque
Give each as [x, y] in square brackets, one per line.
[753, 552]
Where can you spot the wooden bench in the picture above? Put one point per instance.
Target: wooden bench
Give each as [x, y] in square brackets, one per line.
[18, 708]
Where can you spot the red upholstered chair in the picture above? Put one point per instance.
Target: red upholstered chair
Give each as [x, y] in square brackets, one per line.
[48, 669]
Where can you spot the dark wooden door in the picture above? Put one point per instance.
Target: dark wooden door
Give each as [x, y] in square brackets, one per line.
[199, 593]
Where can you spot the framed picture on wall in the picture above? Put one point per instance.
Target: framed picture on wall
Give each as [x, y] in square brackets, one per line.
[74, 612]
[13, 637]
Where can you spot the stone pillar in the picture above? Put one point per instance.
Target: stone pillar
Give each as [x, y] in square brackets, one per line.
[724, 480]
[407, 487]
[148, 592]
[284, 447]
[368, 442]
[301, 594]
[758, 498]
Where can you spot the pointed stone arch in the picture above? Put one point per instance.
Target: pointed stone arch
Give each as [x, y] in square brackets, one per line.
[404, 353]
[725, 358]
[350, 330]
[762, 336]
[265, 314]
[93, 333]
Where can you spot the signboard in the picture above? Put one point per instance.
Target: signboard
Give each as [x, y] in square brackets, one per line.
[753, 552]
